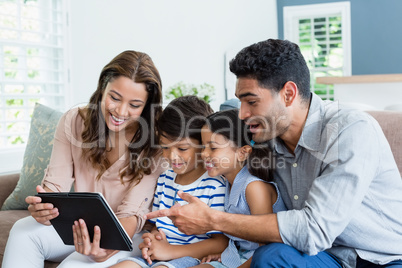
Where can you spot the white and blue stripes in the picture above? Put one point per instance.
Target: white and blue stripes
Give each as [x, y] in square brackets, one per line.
[210, 190]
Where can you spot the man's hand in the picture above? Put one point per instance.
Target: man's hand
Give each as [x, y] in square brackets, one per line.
[41, 212]
[194, 218]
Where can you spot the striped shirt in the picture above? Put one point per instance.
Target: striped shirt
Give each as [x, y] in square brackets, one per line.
[210, 190]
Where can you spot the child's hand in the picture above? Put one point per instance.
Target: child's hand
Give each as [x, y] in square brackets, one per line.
[146, 244]
[160, 249]
[212, 257]
[147, 238]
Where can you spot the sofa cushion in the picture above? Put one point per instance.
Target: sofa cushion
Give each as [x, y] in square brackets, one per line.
[391, 124]
[36, 156]
[7, 185]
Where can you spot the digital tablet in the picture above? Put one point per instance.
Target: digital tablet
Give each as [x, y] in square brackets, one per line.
[94, 210]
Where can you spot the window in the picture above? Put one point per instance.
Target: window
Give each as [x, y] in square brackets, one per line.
[322, 32]
[33, 67]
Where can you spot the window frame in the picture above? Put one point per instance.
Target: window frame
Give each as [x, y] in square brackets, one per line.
[292, 14]
[13, 156]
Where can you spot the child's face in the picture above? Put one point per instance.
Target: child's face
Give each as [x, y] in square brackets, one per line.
[181, 154]
[219, 155]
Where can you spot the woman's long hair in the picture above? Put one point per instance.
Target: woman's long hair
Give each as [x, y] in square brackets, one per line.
[138, 67]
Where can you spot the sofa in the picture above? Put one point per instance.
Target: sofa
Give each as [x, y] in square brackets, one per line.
[390, 121]
[15, 187]
[8, 217]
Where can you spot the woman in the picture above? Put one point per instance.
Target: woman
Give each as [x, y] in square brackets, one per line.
[109, 147]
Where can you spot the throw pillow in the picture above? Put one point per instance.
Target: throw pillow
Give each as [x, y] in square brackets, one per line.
[36, 157]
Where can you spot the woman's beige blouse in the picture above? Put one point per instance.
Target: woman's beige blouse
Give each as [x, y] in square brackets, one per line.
[67, 167]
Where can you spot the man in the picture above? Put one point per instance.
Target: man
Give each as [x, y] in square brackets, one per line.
[336, 173]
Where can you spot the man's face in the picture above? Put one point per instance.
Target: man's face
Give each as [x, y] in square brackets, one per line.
[262, 109]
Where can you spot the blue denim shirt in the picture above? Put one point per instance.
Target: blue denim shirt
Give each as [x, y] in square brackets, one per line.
[236, 202]
[342, 187]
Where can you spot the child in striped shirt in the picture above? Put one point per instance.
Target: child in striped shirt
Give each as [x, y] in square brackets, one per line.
[179, 130]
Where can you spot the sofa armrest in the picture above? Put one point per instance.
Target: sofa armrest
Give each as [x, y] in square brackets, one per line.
[7, 185]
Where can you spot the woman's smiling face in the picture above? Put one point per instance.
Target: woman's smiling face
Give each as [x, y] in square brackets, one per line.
[123, 102]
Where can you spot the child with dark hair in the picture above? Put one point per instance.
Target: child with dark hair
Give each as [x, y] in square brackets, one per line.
[179, 132]
[227, 147]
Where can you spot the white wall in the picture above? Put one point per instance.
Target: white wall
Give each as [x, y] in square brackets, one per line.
[187, 39]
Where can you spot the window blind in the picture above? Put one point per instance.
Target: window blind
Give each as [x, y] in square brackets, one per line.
[32, 64]
[320, 41]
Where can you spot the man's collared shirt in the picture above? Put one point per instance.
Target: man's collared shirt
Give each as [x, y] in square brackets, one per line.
[342, 187]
